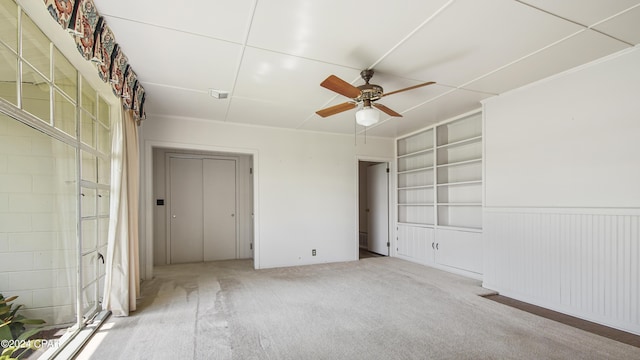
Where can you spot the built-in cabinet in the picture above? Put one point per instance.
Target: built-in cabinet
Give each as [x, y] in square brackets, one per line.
[439, 199]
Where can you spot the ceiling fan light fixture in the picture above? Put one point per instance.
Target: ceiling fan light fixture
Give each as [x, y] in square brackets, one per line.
[367, 116]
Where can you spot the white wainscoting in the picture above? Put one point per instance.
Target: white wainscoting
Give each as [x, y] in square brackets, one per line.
[583, 262]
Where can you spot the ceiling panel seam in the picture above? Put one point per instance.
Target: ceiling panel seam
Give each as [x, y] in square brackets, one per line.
[242, 52]
[411, 34]
[385, 55]
[169, 28]
[589, 27]
[521, 59]
[176, 87]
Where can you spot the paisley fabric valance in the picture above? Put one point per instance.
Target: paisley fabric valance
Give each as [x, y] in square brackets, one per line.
[95, 41]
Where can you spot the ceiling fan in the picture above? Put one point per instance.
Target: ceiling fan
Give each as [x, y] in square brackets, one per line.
[366, 94]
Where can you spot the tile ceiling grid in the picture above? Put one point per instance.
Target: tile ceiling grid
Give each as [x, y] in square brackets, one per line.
[385, 55]
[278, 51]
[242, 52]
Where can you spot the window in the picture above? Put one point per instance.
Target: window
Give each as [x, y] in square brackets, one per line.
[55, 143]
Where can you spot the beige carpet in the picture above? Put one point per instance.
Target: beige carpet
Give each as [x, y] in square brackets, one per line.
[376, 308]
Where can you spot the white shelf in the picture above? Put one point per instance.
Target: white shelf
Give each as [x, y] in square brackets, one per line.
[459, 204]
[415, 187]
[457, 163]
[460, 215]
[463, 129]
[430, 226]
[415, 204]
[415, 170]
[460, 142]
[419, 152]
[460, 183]
[458, 228]
[460, 174]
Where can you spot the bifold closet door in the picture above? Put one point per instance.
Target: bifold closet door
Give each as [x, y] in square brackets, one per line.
[219, 193]
[186, 217]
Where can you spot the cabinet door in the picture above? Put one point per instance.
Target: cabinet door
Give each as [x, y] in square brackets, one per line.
[416, 243]
[459, 249]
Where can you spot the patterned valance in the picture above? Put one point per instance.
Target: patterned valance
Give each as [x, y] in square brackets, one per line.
[95, 41]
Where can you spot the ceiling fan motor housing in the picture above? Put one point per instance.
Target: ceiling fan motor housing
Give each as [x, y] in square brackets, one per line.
[369, 92]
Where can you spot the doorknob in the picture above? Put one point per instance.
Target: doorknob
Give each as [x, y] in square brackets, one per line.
[232, 215]
[173, 216]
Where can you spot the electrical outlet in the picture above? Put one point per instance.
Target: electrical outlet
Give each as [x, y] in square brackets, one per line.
[313, 252]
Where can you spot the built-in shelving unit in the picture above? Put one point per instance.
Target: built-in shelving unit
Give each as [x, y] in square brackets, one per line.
[416, 171]
[439, 195]
[459, 173]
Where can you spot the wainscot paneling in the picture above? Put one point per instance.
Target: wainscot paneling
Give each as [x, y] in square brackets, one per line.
[584, 262]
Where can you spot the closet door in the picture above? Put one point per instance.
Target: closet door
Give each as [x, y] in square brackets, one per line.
[378, 211]
[186, 215]
[219, 209]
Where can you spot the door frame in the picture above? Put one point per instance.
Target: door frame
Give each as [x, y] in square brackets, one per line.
[146, 206]
[167, 169]
[391, 203]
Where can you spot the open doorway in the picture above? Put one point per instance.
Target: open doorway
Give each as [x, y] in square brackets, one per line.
[203, 206]
[373, 209]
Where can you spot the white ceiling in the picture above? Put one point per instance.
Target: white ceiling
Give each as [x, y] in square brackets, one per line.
[271, 55]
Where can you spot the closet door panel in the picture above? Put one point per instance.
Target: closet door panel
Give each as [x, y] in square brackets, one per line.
[219, 209]
[186, 215]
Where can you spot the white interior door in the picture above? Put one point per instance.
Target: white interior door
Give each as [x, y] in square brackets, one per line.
[219, 209]
[186, 213]
[378, 208]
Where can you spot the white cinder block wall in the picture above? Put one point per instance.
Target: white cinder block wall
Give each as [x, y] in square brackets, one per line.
[37, 258]
[562, 193]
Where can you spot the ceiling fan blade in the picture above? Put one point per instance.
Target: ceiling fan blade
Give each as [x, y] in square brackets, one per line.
[336, 109]
[409, 88]
[386, 110]
[340, 86]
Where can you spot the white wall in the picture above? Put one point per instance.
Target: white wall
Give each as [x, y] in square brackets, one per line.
[562, 194]
[306, 184]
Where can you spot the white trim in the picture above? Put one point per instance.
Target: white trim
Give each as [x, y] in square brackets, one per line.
[433, 126]
[449, 269]
[563, 210]
[391, 203]
[565, 73]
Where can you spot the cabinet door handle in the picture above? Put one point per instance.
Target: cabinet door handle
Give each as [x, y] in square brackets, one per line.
[437, 246]
[433, 246]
